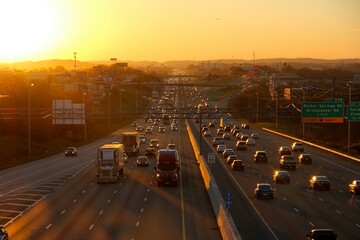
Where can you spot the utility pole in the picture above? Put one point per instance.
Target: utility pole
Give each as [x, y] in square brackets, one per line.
[75, 53]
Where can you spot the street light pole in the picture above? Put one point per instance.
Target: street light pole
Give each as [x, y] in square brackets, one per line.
[84, 114]
[349, 122]
[109, 94]
[29, 118]
[121, 103]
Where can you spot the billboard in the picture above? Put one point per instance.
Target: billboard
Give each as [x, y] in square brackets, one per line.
[65, 112]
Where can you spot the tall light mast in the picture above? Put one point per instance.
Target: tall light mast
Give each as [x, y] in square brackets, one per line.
[75, 60]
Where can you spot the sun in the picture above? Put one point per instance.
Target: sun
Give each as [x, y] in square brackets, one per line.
[27, 27]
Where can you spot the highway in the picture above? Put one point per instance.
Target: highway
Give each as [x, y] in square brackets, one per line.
[295, 208]
[58, 198]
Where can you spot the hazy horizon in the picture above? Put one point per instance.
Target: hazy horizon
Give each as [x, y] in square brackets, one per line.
[162, 30]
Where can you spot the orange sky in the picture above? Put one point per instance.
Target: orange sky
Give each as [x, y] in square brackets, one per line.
[163, 30]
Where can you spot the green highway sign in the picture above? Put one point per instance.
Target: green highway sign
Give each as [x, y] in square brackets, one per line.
[322, 109]
[353, 111]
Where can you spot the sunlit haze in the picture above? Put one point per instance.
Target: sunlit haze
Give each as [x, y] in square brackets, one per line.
[163, 30]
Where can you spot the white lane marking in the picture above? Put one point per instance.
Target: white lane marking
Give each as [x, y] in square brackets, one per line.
[48, 226]
[307, 190]
[75, 200]
[338, 211]
[357, 225]
[120, 184]
[101, 212]
[324, 159]
[148, 190]
[137, 223]
[108, 201]
[84, 191]
[311, 224]
[296, 210]
[284, 198]
[142, 210]
[115, 191]
[341, 191]
[357, 200]
[62, 213]
[91, 184]
[320, 199]
[91, 227]
[145, 199]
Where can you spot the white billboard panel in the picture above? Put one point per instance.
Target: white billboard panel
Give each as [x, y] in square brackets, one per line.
[66, 112]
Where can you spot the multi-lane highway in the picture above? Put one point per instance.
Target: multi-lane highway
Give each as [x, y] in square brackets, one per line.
[58, 198]
[295, 208]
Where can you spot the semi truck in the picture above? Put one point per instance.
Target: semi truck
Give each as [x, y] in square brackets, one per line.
[110, 162]
[131, 142]
[167, 168]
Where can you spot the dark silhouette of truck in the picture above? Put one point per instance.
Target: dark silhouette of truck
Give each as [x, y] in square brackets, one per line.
[167, 168]
[131, 142]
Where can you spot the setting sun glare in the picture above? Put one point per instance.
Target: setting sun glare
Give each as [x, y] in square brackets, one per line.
[29, 28]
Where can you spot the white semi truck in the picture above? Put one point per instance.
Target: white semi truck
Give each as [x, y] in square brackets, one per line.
[110, 163]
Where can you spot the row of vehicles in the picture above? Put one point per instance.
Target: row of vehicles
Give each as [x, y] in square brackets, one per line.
[286, 161]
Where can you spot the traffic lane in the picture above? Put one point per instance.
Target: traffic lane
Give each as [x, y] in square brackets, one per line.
[287, 204]
[163, 210]
[55, 207]
[22, 177]
[245, 216]
[122, 218]
[199, 219]
[268, 178]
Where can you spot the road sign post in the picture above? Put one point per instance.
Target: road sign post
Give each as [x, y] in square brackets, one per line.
[353, 112]
[323, 112]
[211, 158]
[228, 201]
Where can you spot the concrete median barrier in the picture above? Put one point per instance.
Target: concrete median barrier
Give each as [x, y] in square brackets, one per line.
[225, 222]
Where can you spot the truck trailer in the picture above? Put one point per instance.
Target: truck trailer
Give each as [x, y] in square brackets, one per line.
[167, 168]
[131, 142]
[110, 163]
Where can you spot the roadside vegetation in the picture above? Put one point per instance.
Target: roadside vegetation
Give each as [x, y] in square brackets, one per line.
[46, 139]
[254, 93]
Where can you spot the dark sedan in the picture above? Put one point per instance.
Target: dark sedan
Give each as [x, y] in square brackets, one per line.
[142, 161]
[281, 176]
[305, 158]
[237, 165]
[320, 182]
[284, 150]
[150, 152]
[71, 151]
[264, 190]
